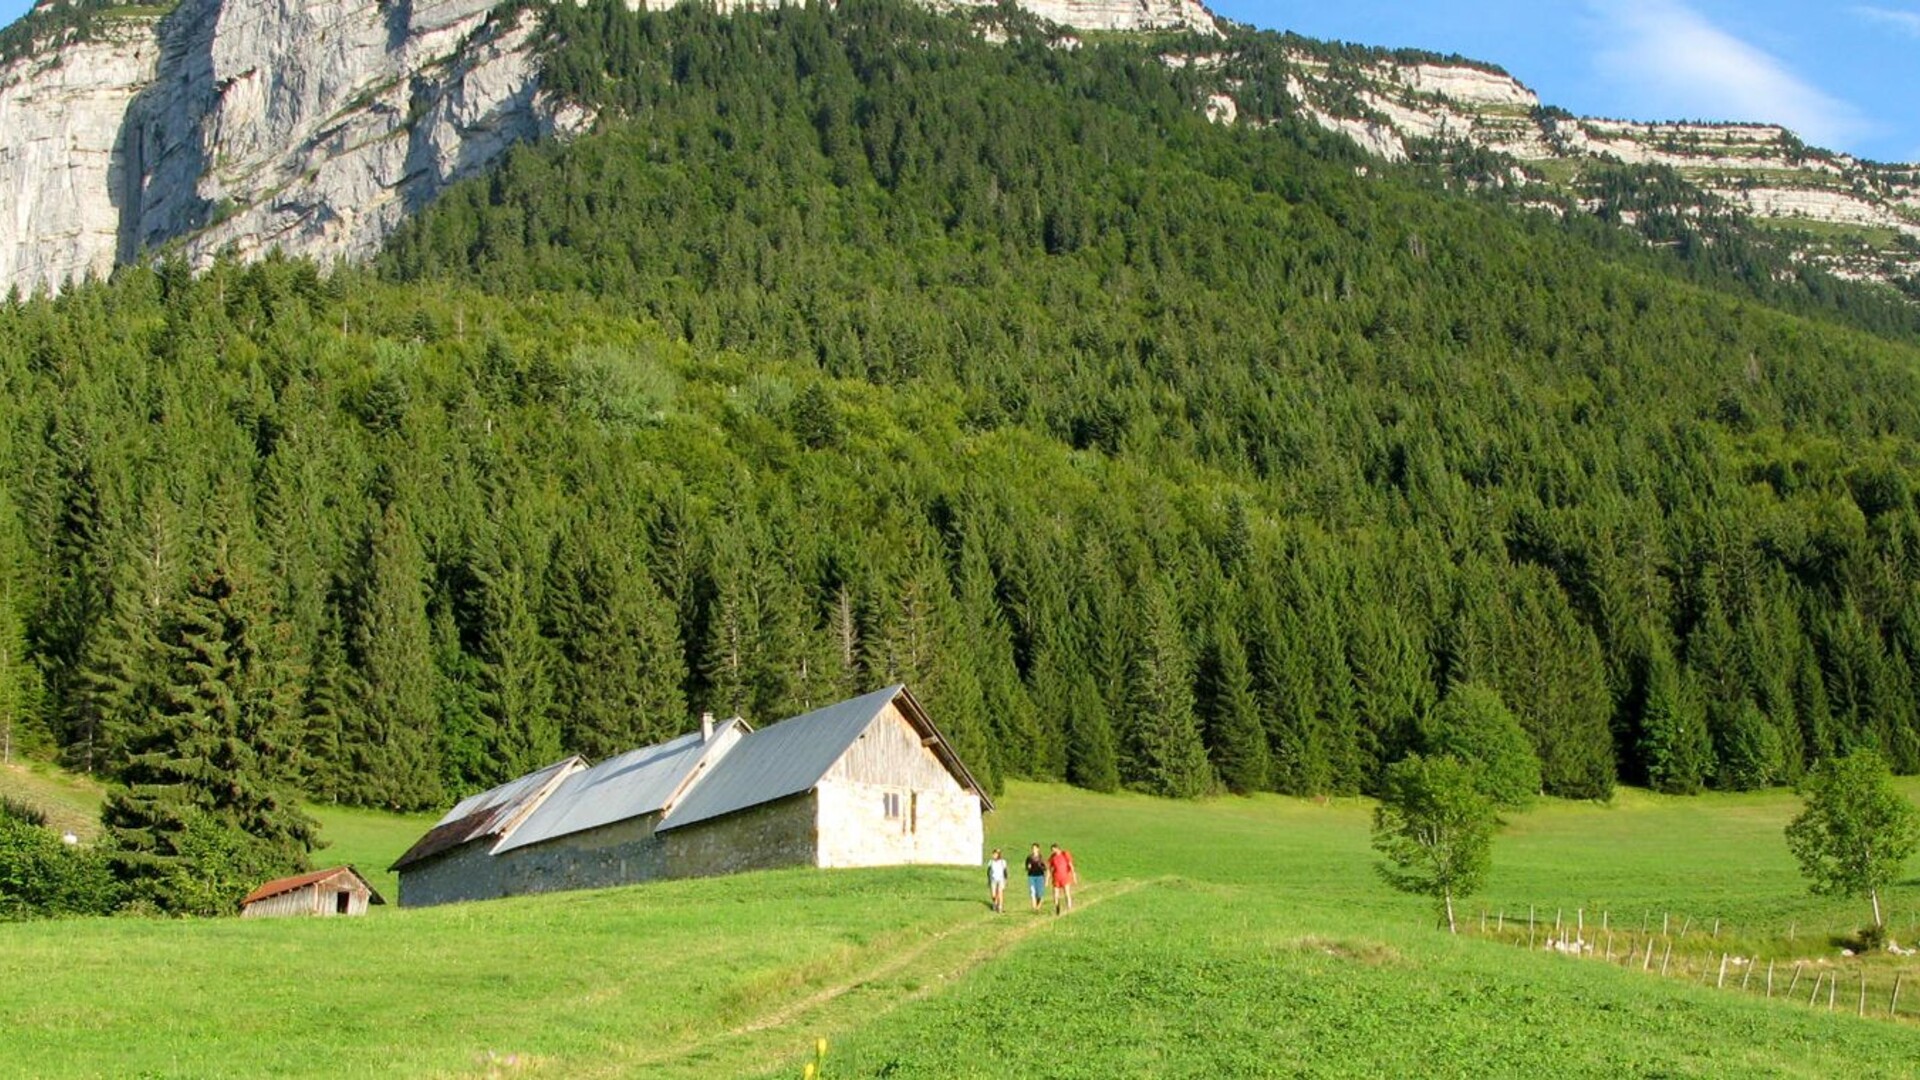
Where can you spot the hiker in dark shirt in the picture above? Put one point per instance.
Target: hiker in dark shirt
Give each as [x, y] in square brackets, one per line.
[1036, 875]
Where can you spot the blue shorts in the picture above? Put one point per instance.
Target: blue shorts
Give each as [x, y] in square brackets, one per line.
[1037, 885]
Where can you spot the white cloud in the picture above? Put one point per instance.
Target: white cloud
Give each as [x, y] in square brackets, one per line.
[1672, 63]
[1907, 22]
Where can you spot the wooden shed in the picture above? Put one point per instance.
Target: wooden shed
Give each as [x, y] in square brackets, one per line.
[339, 891]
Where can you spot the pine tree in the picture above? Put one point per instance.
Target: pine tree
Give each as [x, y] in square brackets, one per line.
[21, 730]
[204, 804]
[1235, 735]
[1166, 751]
[515, 675]
[620, 663]
[117, 680]
[1674, 745]
[393, 753]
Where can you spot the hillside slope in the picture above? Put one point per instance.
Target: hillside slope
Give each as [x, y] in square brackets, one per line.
[855, 350]
[1229, 937]
[248, 126]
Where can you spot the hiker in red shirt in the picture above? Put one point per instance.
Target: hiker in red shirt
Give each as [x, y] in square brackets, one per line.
[1060, 864]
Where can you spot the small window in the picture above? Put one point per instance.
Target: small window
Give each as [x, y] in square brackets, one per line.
[891, 800]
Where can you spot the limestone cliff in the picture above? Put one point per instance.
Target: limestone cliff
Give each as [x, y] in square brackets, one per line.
[1856, 218]
[61, 162]
[310, 126]
[315, 127]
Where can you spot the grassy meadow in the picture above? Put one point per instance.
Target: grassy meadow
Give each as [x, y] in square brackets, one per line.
[1227, 937]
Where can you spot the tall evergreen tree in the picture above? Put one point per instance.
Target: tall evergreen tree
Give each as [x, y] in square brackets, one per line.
[515, 674]
[21, 728]
[1166, 752]
[394, 752]
[1235, 734]
[204, 804]
[1674, 745]
[620, 664]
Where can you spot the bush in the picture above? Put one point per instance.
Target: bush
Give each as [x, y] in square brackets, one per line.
[41, 876]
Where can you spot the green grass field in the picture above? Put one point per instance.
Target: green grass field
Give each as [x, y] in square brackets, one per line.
[1229, 937]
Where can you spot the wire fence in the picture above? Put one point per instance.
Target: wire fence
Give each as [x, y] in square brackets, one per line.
[1812, 970]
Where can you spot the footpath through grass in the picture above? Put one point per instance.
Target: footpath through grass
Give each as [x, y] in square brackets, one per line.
[1233, 937]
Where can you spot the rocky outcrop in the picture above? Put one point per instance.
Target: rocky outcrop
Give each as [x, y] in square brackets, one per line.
[1870, 214]
[61, 161]
[250, 125]
[316, 127]
[308, 126]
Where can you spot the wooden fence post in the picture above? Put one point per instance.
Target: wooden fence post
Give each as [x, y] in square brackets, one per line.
[1863, 990]
[1647, 964]
[1721, 982]
[1746, 975]
[1796, 977]
[1666, 956]
[1893, 1007]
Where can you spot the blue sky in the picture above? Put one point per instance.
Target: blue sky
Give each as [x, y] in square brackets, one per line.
[1844, 74]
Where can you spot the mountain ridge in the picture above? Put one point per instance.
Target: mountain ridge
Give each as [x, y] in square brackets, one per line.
[245, 126]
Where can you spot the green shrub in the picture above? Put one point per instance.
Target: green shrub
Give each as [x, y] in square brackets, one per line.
[41, 876]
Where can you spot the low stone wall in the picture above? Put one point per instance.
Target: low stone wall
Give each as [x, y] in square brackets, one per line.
[467, 872]
[765, 837]
[622, 853]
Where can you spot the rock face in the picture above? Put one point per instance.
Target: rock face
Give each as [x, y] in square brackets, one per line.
[248, 125]
[1869, 214]
[61, 159]
[309, 126]
[316, 127]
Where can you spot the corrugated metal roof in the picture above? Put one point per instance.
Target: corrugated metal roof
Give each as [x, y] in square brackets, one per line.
[635, 783]
[779, 760]
[488, 813]
[300, 881]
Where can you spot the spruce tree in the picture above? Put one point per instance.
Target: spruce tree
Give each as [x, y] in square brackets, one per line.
[516, 671]
[393, 752]
[21, 729]
[1165, 748]
[1674, 744]
[1235, 735]
[620, 664]
[204, 804]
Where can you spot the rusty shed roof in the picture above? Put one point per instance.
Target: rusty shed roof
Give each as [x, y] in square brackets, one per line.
[491, 813]
[634, 783]
[300, 881]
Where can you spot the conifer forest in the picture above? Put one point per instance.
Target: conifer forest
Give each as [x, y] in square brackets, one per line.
[850, 348]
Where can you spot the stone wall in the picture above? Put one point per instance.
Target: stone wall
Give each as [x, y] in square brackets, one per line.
[935, 826]
[765, 837]
[622, 853]
[466, 872]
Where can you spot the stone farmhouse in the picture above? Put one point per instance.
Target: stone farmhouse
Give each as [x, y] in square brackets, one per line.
[866, 782]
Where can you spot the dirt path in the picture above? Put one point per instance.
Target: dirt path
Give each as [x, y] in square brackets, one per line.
[931, 964]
